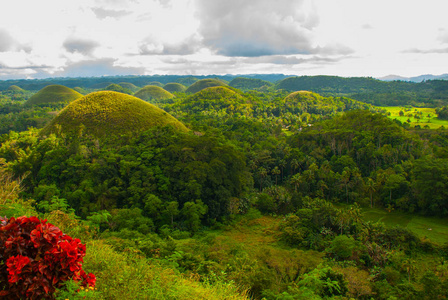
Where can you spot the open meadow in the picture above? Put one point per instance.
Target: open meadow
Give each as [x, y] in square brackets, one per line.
[425, 117]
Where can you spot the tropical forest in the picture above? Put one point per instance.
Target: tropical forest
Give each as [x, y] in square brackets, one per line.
[261, 186]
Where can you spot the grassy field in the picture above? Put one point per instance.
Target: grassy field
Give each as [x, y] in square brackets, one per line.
[435, 229]
[416, 116]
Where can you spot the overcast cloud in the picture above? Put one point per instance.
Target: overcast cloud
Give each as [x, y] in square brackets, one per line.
[80, 45]
[295, 37]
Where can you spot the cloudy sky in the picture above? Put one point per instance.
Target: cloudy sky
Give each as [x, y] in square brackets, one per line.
[51, 38]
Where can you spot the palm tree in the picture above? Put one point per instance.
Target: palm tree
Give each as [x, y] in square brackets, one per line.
[345, 180]
[296, 180]
[263, 173]
[294, 164]
[275, 172]
[371, 188]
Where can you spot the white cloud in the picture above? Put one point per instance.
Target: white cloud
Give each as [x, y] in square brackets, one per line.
[103, 13]
[80, 45]
[257, 27]
[344, 37]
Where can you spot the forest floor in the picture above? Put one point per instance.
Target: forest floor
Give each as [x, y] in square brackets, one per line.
[435, 229]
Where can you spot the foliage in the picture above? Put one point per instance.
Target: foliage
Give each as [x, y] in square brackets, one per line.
[243, 83]
[37, 258]
[442, 112]
[118, 88]
[202, 84]
[127, 85]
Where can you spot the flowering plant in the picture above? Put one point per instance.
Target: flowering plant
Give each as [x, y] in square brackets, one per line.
[36, 258]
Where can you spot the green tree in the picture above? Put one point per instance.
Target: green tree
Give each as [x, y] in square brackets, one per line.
[193, 213]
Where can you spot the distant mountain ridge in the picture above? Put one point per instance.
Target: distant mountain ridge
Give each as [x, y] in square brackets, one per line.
[419, 78]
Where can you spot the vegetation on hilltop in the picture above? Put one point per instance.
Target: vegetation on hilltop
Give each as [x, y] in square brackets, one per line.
[16, 93]
[249, 83]
[80, 90]
[429, 93]
[129, 86]
[312, 103]
[153, 94]
[203, 84]
[15, 89]
[156, 83]
[118, 88]
[53, 94]
[213, 100]
[174, 87]
[109, 113]
[100, 85]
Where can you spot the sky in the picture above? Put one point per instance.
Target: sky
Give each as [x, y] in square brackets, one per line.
[57, 38]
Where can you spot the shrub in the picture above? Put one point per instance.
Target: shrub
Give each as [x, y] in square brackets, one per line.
[36, 258]
[342, 247]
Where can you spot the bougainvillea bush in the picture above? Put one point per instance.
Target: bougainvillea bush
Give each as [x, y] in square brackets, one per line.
[36, 258]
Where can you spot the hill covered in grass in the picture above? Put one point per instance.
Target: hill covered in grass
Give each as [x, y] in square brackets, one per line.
[53, 94]
[203, 84]
[110, 113]
[118, 88]
[15, 89]
[312, 103]
[153, 93]
[130, 86]
[243, 83]
[173, 87]
[214, 100]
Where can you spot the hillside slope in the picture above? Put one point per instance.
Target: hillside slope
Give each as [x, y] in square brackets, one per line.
[110, 113]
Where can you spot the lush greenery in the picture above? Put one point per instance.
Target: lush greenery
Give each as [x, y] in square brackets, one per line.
[269, 194]
[243, 83]
[428, 93]
[202, 84]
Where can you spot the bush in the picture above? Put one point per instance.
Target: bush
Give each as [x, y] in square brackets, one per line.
[36, 258]
[342, 247]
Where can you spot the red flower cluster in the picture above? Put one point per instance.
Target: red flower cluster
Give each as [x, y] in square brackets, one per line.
[36, 258]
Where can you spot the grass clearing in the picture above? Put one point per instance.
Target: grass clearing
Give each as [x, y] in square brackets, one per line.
[425, 117]
[254, 233]
[435, 229]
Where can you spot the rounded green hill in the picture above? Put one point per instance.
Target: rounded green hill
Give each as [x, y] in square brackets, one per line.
[203, 84]
[109, 113]
[152, 92]
[214, 99]
[130, 86]
[156, 83]
[303, 95]
[15, 89]
[243, 83]
[118, 88]
[81, 90]
[174, 87]
[313, 103]
[54, 94]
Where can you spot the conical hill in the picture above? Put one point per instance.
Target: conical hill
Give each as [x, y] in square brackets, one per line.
[153, 92]
[203, 84]
[110, 113]
[54, 94]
